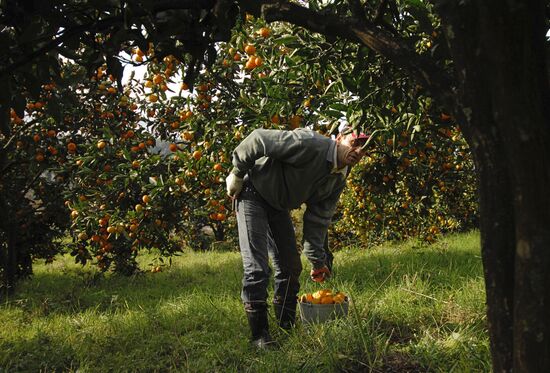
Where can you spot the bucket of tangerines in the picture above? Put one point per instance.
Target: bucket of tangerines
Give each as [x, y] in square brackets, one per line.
[323, 305]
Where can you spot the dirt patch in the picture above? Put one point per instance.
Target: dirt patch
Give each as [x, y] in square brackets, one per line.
[396, 333]
[394, 362]
[401, 363]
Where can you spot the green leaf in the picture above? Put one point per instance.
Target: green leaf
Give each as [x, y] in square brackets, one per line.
[355, 118]
[349, 83]
[338, 106]
[285, 40]
[382, 120]
[416, 3]
[412, 120]
[333, 114]
[329, 87]
[420, 13]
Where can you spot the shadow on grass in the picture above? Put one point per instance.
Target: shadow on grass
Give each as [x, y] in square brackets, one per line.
[72, 318]
[42, 352]
[189, 337]
[441, 269]
[74, 290]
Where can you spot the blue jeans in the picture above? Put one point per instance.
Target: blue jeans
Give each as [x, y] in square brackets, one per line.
[265, 232]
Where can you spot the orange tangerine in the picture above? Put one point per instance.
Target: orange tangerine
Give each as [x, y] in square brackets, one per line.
[250, 49]
[327, 300]
[339, 298]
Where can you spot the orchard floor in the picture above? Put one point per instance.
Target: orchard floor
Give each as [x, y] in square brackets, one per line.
[415, 309]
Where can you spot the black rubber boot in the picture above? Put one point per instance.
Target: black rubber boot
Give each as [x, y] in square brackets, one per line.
[259, 326]
[285, 314]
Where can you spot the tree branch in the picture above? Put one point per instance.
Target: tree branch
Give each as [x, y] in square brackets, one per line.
[183, 4]
[358, 10]
[68, 34]
[27, 188]
[76, 31]
[425, 72]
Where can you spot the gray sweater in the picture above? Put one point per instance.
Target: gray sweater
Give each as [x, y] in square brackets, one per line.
[289, 168]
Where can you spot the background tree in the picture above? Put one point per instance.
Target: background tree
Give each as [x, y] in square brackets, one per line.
[418, 179]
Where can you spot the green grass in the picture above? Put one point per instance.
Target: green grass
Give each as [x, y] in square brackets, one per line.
[415, 308]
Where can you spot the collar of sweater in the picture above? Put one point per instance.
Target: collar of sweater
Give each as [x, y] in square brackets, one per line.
[332, 157]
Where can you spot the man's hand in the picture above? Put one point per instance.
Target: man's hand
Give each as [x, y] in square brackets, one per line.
[320, 274]
[234, 184]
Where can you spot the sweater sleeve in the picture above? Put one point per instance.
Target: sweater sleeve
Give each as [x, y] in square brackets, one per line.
[317, 219]
[285, 146]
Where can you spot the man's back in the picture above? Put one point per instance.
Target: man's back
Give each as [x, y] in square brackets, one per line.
[290, 167]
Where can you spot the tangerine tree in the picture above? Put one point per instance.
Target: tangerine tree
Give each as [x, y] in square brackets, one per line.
[302, 79]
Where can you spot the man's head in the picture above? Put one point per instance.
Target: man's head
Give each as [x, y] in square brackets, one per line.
[349, 146]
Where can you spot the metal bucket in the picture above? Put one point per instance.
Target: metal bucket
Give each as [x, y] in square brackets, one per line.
[317, 313]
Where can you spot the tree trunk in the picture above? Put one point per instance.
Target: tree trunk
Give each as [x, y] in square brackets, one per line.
[496, 196]
[8, 257]
[497, 246]
[498, 50]
[475, 115]
[3, 268]
[512, 37]
[219, 232]
[11, 270]
[8, 262]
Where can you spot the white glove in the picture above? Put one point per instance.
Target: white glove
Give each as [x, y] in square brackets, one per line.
[234, 184]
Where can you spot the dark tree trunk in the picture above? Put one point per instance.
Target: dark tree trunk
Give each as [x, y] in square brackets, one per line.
[522, 95]
[475, 115]
[11, 270]
[512, 37]
[497, 245]
[8, 253]
[219, 232]
[3, 268]
[498, 50]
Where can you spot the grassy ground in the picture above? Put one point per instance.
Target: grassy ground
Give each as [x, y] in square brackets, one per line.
[415, 309]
